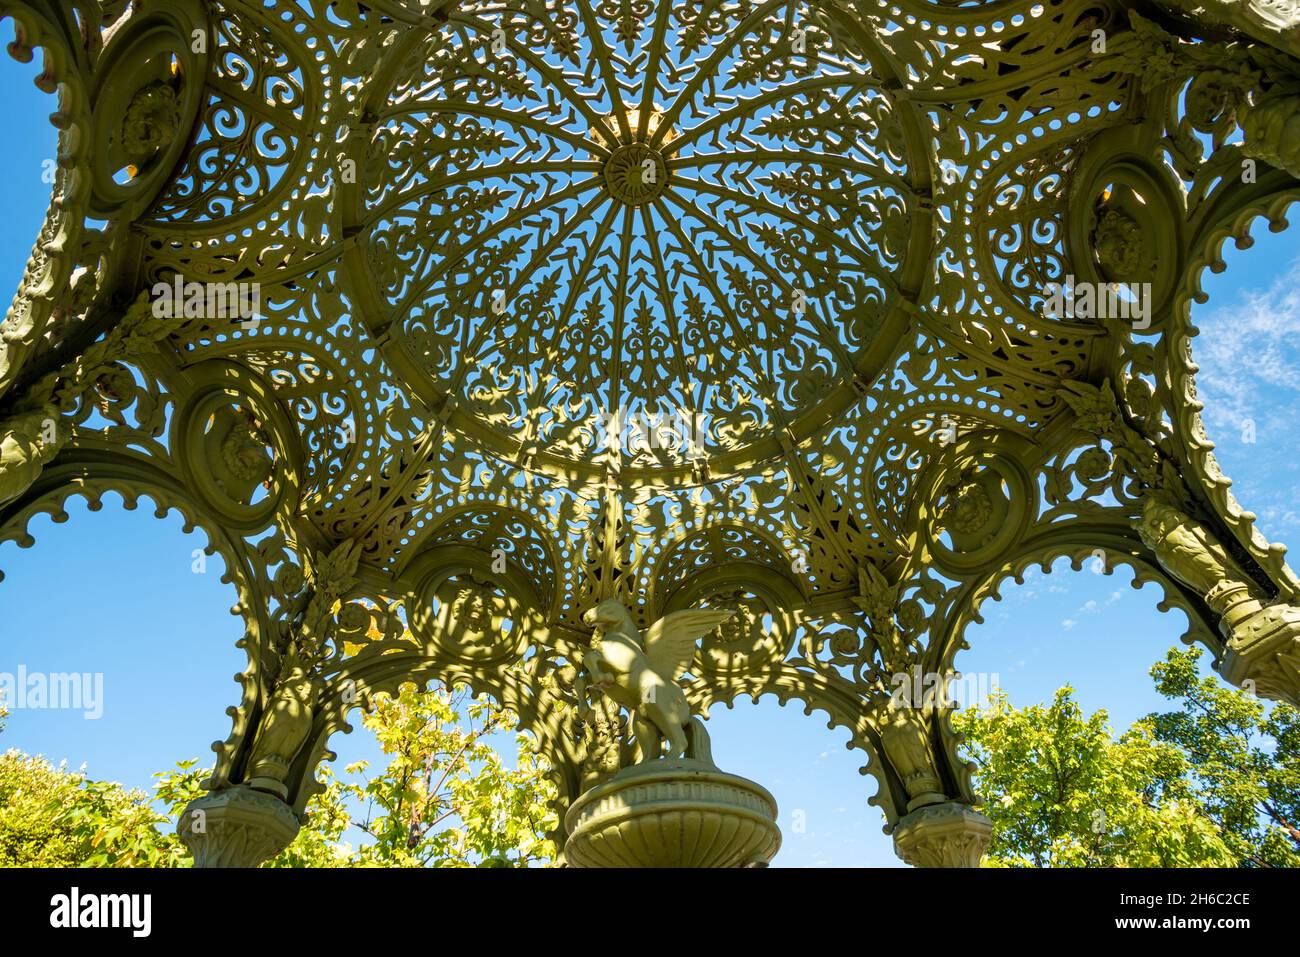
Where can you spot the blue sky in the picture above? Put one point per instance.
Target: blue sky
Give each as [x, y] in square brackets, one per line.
[113, 591]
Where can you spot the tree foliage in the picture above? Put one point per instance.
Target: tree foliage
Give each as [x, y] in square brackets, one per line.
[53, 817]
[445, 798]
[1212, 784]
[1063, 792]
[1244, 757]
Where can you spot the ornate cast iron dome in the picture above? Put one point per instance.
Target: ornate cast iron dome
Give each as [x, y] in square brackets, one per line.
[453, 323]
[581, 228]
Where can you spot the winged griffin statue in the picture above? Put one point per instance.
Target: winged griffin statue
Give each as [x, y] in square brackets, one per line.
[640, 673]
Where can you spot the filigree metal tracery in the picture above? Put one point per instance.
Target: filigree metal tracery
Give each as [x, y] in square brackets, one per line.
[580, 225]
[734, 303]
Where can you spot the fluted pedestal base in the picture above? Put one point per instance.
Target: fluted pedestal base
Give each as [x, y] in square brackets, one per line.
[237, 827]
[942, 835]
[1263, 654]
[673, 813]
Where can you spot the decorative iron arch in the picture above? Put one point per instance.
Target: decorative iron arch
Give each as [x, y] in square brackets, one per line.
[586, 284]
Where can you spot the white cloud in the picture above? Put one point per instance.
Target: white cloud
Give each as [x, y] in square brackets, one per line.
[1247, 352]
[1249, 381]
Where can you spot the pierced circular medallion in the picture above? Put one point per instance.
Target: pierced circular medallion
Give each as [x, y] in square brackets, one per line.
[466, 618]
[635, 174]
[148, 88]
[981, 505]
[236, 447]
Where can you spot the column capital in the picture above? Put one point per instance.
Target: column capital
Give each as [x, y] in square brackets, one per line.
[942, 835]
[236, 827]
[1263, 654]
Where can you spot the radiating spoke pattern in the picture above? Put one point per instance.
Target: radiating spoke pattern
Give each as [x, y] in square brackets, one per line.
[644, 231]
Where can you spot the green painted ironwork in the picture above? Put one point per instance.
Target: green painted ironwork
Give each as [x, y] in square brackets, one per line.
[451, 321]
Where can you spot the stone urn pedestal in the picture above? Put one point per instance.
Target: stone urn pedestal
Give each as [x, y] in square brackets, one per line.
[672, 812]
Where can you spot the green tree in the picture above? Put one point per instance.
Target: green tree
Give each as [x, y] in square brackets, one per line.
[445, 798]
[1244, 759]
[1215, 783]
[45, 815]
[1062, 791]
[28, 833]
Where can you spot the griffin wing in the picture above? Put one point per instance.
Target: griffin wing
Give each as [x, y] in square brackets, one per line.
[670, 641]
